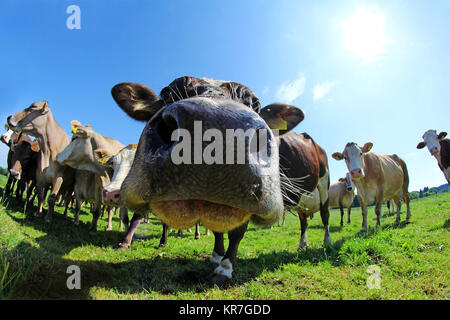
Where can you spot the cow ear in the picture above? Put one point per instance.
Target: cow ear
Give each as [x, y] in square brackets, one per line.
[442, 135]
[282, 117]
[137, 100]
[78, 129]
[367, 147]
[45, 108]
[102, 156]
[337, 156]
[421, 145]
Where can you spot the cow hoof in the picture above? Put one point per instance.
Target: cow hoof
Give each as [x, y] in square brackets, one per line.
[197, 238]
[302, 246]
[162, 245]
[363, 230]
[123, 246]
[109, 229]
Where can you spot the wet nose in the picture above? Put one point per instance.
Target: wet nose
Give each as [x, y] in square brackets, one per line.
[356, 173]
[111, 196]
[434, 150]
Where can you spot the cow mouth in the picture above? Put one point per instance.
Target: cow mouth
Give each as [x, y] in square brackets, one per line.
[183, 214]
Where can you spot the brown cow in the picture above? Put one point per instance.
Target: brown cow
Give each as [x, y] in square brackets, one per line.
[439, 147]
[25, 157]
[378, 177]
[305, 178]
[37, 120]
[223, 195]
[80, 154]
[341, 195]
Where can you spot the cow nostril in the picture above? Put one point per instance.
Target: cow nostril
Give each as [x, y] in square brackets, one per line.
[116, 196]
[166, 127]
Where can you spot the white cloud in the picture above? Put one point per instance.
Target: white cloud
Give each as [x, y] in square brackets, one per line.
[322, 89]
[289, 91]
[265, 91]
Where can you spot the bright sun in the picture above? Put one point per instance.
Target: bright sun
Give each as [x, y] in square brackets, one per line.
[363, 35]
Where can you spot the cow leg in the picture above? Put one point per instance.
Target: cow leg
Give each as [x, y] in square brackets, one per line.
[303, 227]
[283, 218]
[76, 220]
[197, 231]
[341, 207]
[29, 192]
[349, 209]
[163, 242]
[67, 198]
[398, 203]
[219, 248]
[378, 213]
[180, 233]
[323, 186]
[110, 215]
[97, 210]
[40, 195]
[123, 212]
[9, 185]
[126, 242]
[364, 217]
[52, 199]
[406, 199]
[225, 269]
[388, 204]
[206, 231]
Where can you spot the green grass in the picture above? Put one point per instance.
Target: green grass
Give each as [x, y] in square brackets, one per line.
[413, 259]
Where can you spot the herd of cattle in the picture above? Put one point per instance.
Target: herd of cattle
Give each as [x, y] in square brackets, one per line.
[92, 168]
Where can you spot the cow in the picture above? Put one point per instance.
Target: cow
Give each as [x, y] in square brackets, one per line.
[80, 155]
[121, 164]
[37, 120]
[341, 195]
[305, 173]
[25, 157]
[11, 139]
[377, 177]
[439, 147]
[223, 195]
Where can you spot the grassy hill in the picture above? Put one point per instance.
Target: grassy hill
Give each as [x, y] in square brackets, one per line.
[413, 259]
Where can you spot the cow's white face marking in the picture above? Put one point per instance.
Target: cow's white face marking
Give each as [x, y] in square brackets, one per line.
[431, 139]
[354, 158]
[121, 164]
[349, 182]
[225, 268]
[6, 137]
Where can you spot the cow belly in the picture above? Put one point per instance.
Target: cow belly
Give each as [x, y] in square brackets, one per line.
[309, 203]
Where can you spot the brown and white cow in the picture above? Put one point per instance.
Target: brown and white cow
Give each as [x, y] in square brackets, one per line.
[223, 196]
[80, 154]
[341, 195]
[378, 177]
[37, 120]
[305, 179]
[439, 147]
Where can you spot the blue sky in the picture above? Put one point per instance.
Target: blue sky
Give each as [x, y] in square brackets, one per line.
[361, 70]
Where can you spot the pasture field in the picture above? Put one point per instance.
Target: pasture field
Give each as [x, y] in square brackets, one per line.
[413, 259]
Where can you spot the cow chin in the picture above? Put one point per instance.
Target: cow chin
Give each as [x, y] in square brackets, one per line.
[183, 214]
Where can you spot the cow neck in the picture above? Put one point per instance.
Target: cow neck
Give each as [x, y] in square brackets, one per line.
[51, 141]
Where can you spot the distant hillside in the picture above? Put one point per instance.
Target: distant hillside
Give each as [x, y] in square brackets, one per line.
[442, 188]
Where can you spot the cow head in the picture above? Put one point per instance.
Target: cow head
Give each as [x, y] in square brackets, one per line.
[81, 151]
[354, 158]
[349, 185]
[431, 140]
[22, 157]
[31, 119]
[222, 195]
[121, 165]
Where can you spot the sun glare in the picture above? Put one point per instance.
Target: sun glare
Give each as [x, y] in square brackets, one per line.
[363, 35]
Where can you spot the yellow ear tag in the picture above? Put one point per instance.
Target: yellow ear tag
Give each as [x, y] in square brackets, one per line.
[74, 130]
[279, 124]
[24, 134]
